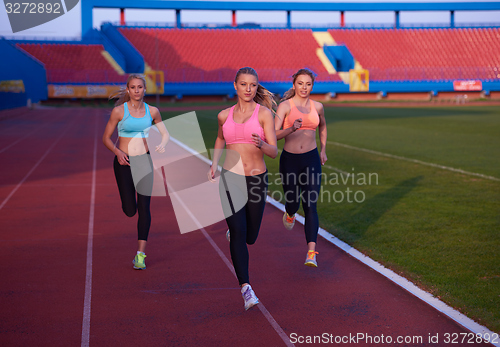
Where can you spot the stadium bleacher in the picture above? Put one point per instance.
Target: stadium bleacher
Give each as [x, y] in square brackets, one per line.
[73, 63]
[424, 54]
[214, 55]
[206, 55]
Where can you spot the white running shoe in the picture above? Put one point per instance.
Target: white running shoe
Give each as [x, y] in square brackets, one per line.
[249, 297]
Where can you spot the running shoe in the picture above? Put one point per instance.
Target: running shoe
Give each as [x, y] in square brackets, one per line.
[228, 236]
[311, 259]
[138, 261]
[249, 297]
[288, 221]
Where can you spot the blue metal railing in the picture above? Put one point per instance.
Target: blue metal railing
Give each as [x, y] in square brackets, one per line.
[334, 25]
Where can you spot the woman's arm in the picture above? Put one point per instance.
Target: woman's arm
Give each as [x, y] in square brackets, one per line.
[269, 148]
[322, 132]
[114, 118]
[281, 113]
[156, 115]
[219, 145]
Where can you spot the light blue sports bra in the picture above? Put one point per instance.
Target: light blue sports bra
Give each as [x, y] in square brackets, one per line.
[131, 126]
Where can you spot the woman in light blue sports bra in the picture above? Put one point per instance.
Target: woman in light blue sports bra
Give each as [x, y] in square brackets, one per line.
[133, 118]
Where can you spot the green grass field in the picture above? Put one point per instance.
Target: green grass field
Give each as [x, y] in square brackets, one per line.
[436, 227]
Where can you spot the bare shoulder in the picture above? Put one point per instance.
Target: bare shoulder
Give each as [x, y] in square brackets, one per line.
[118, 112]
[318, 105]
[154, 111]
[222, 116]
[284, 106]
[265, 113]
[283, 110]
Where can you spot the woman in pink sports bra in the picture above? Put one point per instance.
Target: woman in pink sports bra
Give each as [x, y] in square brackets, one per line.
[246, 130]
[297, 119]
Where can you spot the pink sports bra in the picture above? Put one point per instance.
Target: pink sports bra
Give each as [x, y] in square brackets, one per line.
[242, 132]
[310, 121]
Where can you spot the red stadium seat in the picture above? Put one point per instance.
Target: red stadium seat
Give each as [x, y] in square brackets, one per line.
[74, 63]
[214, 55]
[421, 54]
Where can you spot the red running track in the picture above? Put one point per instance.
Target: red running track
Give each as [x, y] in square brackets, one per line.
[52, 159]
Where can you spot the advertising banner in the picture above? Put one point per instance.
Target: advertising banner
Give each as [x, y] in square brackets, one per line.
[86, 92]
[467, 85]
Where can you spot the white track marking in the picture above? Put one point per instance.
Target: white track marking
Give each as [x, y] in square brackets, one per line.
[458, 317]
[35, 166]
[90, 238]
[414, 161]
[22, 138]
[226, 261]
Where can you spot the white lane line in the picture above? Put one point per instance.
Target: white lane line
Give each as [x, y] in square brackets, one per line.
[226, 261]
[458, 317]
[90, 238]
[414, 161]
[22, 138]
[36, 165]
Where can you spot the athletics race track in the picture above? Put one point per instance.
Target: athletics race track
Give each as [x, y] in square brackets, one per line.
[67, 276]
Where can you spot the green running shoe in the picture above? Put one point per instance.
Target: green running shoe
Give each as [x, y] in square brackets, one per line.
[138, 261]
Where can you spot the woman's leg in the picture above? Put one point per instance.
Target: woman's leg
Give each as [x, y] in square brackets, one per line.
[289, 171]
[257, 194]
[126, 187]
[311, 189]
[237, 245]
[245, 225]
[144, 190]
[232, 190]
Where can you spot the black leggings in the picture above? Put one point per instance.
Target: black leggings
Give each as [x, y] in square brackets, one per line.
[128, 190]
[243, 216]
[301, 175]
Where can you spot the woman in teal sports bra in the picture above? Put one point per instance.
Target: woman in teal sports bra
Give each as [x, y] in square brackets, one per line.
[133, 118]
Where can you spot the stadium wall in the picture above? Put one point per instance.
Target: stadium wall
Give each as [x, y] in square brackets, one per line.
[133, 60]
[406, 89]
[25, 79]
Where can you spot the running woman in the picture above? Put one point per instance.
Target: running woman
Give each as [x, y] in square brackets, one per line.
[297, 119]
[246, 130]
[134, 117]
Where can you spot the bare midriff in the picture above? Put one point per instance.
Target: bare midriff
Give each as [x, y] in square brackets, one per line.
[252, 159]
[300, 141]
[133, 146]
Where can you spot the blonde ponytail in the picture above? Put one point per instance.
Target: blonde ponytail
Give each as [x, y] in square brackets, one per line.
[122, 95]
[265, 98]
[290, 93]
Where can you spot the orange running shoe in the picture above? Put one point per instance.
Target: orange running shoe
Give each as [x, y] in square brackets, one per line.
[288, 221]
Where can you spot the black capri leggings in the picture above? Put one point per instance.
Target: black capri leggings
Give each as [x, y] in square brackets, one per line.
[301, 176]
[128, 191]
[243, 217]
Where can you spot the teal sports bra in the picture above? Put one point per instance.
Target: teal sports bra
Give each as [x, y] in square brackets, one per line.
[131, 126]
